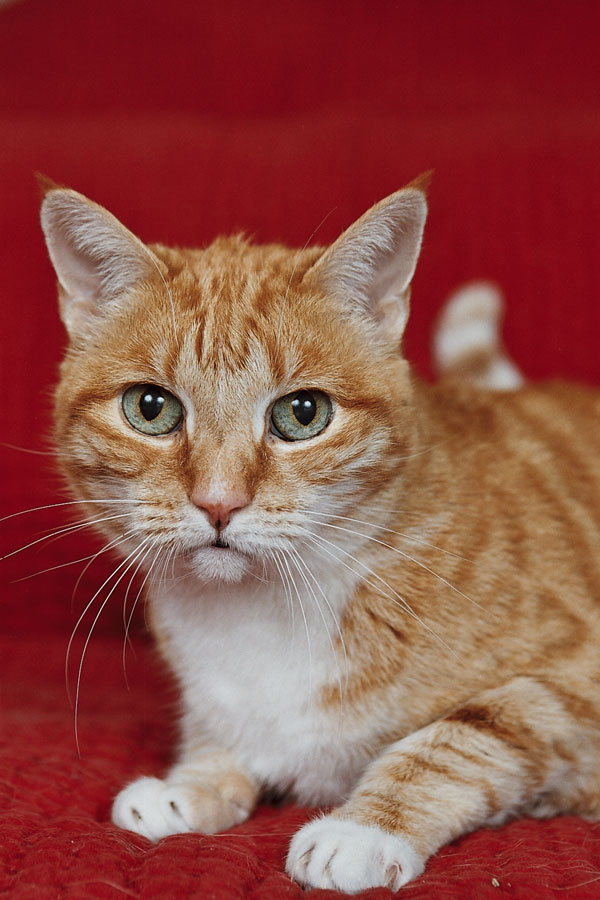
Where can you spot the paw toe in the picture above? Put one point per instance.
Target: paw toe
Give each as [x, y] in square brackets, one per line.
[137, 808]
[345, 856]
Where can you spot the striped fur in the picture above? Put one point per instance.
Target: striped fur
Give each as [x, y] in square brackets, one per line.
[405, 622]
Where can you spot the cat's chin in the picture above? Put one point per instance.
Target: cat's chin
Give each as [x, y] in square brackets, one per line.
[219, 564]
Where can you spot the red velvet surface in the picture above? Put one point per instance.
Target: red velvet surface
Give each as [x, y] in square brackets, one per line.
[195, 118]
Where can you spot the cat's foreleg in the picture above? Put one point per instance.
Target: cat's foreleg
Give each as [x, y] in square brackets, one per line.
[505, 751]
[207, 791]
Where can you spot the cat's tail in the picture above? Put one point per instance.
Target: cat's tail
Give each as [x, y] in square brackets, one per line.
[467, 341]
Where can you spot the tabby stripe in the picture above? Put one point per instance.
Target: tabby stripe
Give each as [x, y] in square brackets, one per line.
[578, 707]
[583, 533]
[482, 719]
[563, 457]
[397, 633]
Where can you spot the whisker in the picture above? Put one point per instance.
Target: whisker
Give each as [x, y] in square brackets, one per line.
[169, 555]
[293, 556]
[288, 598]
[127, 623]
[61, 532]
[84, 613]
[126, 618]
[150, 577]
[27, 450]
[135, 554]
[397, 599]
[308, 571]
[285, 578]
[296, 261]
[24, 512]
[401, 534]
[116, 542]
[301, 565]
[425, 451]
[73, 562]
[167, 289]
[173, 558]
[405, 556]
[302, 610]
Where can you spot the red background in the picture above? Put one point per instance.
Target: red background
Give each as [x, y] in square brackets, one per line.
[192, 118]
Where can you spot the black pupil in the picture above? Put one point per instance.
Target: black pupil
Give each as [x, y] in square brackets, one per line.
[304, 407]
[151, 403]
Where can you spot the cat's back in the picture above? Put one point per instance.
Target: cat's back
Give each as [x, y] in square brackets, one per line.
[555, 419]
[511, 482]
[521, 472]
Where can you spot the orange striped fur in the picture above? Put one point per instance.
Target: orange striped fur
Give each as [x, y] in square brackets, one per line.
[398, 616]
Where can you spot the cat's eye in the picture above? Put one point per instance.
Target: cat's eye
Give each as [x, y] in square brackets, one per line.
[301, 415]
[151, 409]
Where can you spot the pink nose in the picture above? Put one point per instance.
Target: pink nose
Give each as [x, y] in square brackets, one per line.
[220, 511]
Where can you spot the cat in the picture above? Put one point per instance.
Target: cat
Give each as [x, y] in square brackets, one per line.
[378, 595]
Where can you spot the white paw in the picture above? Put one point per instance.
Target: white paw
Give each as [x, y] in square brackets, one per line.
[344, 856]
[155, 808]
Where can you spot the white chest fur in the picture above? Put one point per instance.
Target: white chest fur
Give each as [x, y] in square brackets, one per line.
[251, 668]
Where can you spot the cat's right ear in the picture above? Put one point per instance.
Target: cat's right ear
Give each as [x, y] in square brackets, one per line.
[371, 266]
[96, 259]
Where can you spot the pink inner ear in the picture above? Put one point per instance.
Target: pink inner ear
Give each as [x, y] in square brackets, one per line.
[79, 273]
[94, 256]
[372, 264]
[391, 315]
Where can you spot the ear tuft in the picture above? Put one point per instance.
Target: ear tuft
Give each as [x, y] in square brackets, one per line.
[45, 184]
[422, 182]
[96, 259]
[371, 266]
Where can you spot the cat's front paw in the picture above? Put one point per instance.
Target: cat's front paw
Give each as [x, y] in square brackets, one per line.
[155, 808]
[345, 856]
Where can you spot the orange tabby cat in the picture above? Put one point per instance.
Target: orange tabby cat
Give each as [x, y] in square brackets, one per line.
[376, 594]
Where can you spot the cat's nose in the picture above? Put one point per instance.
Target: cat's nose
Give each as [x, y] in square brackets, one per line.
[220, 511]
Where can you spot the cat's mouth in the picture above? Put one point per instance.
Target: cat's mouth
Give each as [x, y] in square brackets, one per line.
[219, 561]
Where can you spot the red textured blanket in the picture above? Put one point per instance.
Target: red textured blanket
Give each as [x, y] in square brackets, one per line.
[57, 840]
[199, 118]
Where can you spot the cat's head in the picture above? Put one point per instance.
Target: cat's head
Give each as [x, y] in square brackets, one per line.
[217, 405]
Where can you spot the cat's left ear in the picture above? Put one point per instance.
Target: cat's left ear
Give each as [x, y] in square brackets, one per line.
[96, 259]
[370, 267]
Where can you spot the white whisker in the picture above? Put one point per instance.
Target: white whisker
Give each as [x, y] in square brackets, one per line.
[126, 618]
[61, 532]
[27, 450]
[397, 599]
[169, 555]
[135, 554]
[296, 261]
[302, 610]
[128, 621]
[24, 512]
[83, 614]
[288, 598]
[404, 555]
[116, 542]
[304, 570]
[401, 534]
[167, 289]
[91, 557]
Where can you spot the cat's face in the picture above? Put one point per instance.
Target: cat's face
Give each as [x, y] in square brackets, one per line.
[222, 402]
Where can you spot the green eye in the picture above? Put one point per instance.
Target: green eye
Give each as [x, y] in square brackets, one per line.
[151, 409]
[301, 415]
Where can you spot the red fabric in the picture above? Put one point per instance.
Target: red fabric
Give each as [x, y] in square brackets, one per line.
[194, 118]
